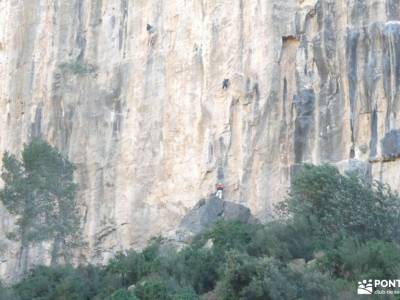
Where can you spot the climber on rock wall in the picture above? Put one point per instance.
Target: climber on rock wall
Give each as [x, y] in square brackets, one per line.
[220, 190]
[225, 84]
[149, 28]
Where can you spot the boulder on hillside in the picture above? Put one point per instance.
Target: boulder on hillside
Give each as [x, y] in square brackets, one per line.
[206, 212]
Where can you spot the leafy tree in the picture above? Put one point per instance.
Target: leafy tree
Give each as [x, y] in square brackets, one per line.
[231, 234]
[48, 283]
[248, 278]
[336, 206]
[122, 294]
[7, 293]
[197, 267]
[129, 267]
[185, 294]
[153, 288]
[353, 260]
[283, 240]
[39, 190]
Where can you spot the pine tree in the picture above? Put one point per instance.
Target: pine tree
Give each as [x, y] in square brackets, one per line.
[39, 190]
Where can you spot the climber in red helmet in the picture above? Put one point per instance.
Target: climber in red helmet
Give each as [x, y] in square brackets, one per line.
[220, 190]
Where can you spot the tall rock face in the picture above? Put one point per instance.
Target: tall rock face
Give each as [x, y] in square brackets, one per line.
[132, 92]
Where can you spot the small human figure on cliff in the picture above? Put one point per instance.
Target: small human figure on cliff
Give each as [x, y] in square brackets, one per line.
[150, 29]
[220, 190]
[152, 36]
[225, 84]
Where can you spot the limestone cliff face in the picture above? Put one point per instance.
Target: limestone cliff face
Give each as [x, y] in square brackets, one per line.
[142, 112]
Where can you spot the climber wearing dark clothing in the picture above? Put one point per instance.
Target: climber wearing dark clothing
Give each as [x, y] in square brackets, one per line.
[225, 84]
[149, 28]
[220, 189]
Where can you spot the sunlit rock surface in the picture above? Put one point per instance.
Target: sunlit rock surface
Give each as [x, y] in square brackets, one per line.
[143, 114]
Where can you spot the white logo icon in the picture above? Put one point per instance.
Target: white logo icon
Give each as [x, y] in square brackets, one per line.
[365, 287]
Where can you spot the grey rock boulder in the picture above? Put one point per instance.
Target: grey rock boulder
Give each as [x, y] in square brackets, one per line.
[207, 212]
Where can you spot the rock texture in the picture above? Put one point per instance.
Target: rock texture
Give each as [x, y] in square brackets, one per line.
[205, 214]
[143, 113]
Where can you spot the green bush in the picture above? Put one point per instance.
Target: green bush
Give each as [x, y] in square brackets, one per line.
[229, 234]
[122, 294]
[129, 268]
[250, 278]
[49, 283]
[353, 260]
[153, 288]
[185, 294]
[284, 240]
[337, 206]
[198, 268]
[7, 293]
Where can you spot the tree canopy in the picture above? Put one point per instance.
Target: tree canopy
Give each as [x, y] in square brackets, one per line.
[40, 192]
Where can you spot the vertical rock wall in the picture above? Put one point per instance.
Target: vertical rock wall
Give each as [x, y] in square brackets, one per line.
[145, 118]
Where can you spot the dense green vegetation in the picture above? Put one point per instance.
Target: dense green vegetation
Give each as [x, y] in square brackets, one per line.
[39, 190]
[334, 230]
